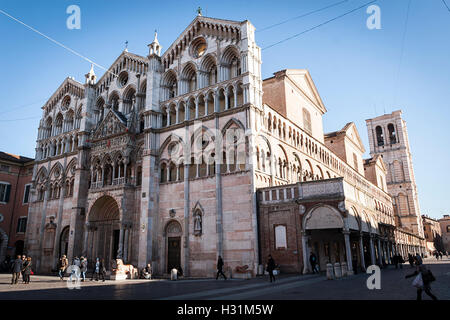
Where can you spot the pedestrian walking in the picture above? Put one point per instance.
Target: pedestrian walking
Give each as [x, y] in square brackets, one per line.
[27, 271]
[313, 261]
[440, 255]
[423, 280]
[83, 268]
[418, 259]
[270, 267]
[395, 261]
[62, 266]
[16, 269]
[75, 269]
[24, 259]
[411, 260]
[99, 269]
[219, 268]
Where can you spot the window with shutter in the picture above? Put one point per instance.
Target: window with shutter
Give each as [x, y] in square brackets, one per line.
[5, 190]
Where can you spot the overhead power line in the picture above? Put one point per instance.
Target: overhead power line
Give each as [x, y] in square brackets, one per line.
[445, 4]
[10, 109]
[11, 120]
[56, 42]
[300, 16]
[319, 25]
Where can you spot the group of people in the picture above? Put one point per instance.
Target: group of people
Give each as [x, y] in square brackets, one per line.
[270, 267]
[21, 266]
[79, 268]
[439, 254]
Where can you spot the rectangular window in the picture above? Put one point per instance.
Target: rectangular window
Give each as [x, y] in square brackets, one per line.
[5, 189]
[280, 237]
[4, 168]
[355, 161]
[26, 193]
[21, 225]
[307, 121]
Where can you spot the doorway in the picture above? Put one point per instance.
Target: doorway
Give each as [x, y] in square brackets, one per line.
[173, 253]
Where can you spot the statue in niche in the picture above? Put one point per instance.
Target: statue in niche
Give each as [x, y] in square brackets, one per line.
[197, 223]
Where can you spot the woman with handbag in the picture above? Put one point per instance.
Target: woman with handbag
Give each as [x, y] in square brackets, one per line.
[27, 270]
[423, 281]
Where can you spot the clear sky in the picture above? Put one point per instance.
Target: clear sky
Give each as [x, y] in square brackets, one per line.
[360, 73]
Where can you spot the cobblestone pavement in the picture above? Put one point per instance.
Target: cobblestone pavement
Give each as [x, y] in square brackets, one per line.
[394, 286]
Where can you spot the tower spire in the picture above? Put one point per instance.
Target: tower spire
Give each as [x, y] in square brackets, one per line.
[155, 47]
[90, 76]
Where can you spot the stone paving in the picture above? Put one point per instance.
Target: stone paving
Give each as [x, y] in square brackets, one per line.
[394, 286]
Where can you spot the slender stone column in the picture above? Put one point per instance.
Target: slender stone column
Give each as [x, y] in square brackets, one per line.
[372, 250]
[41, 230]
[85, 241]
[348, 251]
[305, 249]
[388, 253]
[125, 251]
[361, 251]
[120, 251]
[380, 261]
[226, 99]
[196, 107]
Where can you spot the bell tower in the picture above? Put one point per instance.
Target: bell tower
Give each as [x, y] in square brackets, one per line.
[388, 137]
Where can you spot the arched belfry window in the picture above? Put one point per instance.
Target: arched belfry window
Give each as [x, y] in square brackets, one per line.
[380, 138]
[392, 134]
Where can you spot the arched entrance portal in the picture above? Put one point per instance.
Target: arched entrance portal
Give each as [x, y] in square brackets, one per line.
[173, 241]
[64, 242]
[104, 230]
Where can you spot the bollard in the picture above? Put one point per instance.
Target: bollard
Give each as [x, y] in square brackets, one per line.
[330, 272]
[337, 270]
[344, 269]
[174, 274]
[260, 270]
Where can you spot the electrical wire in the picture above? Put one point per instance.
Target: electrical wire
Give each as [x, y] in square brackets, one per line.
[300, 16]
[319, 25]
[56, 42]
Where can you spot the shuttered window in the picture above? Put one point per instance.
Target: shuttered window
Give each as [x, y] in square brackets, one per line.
[5, 190]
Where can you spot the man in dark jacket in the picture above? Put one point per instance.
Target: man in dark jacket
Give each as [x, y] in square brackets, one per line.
[16, 270]
[271, 267]
[219, 268]
[313, 261]
[427, 278]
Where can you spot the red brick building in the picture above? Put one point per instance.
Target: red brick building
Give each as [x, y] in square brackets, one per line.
[15, 185]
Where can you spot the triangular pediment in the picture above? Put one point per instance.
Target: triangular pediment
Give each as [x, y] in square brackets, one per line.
[352, 133]
[303, 81]
[112, 124]
[379, 161]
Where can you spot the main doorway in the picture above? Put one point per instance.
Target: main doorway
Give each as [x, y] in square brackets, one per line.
[103, 237]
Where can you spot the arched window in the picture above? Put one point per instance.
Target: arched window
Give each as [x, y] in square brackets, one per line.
[392, 134]
[380, 138]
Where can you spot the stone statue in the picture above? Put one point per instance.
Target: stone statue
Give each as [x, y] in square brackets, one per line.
[125, 269]
[198, 224]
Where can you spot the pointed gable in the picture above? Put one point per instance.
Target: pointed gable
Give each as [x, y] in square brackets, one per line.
[112, 124]
[352, 133]
[303, 81]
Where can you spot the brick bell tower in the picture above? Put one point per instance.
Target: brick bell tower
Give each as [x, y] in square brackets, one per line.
[388, 137]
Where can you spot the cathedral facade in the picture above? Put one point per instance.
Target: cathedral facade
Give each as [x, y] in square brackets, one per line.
[176, 158]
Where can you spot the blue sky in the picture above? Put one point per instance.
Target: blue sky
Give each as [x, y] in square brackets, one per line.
[360, 73]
